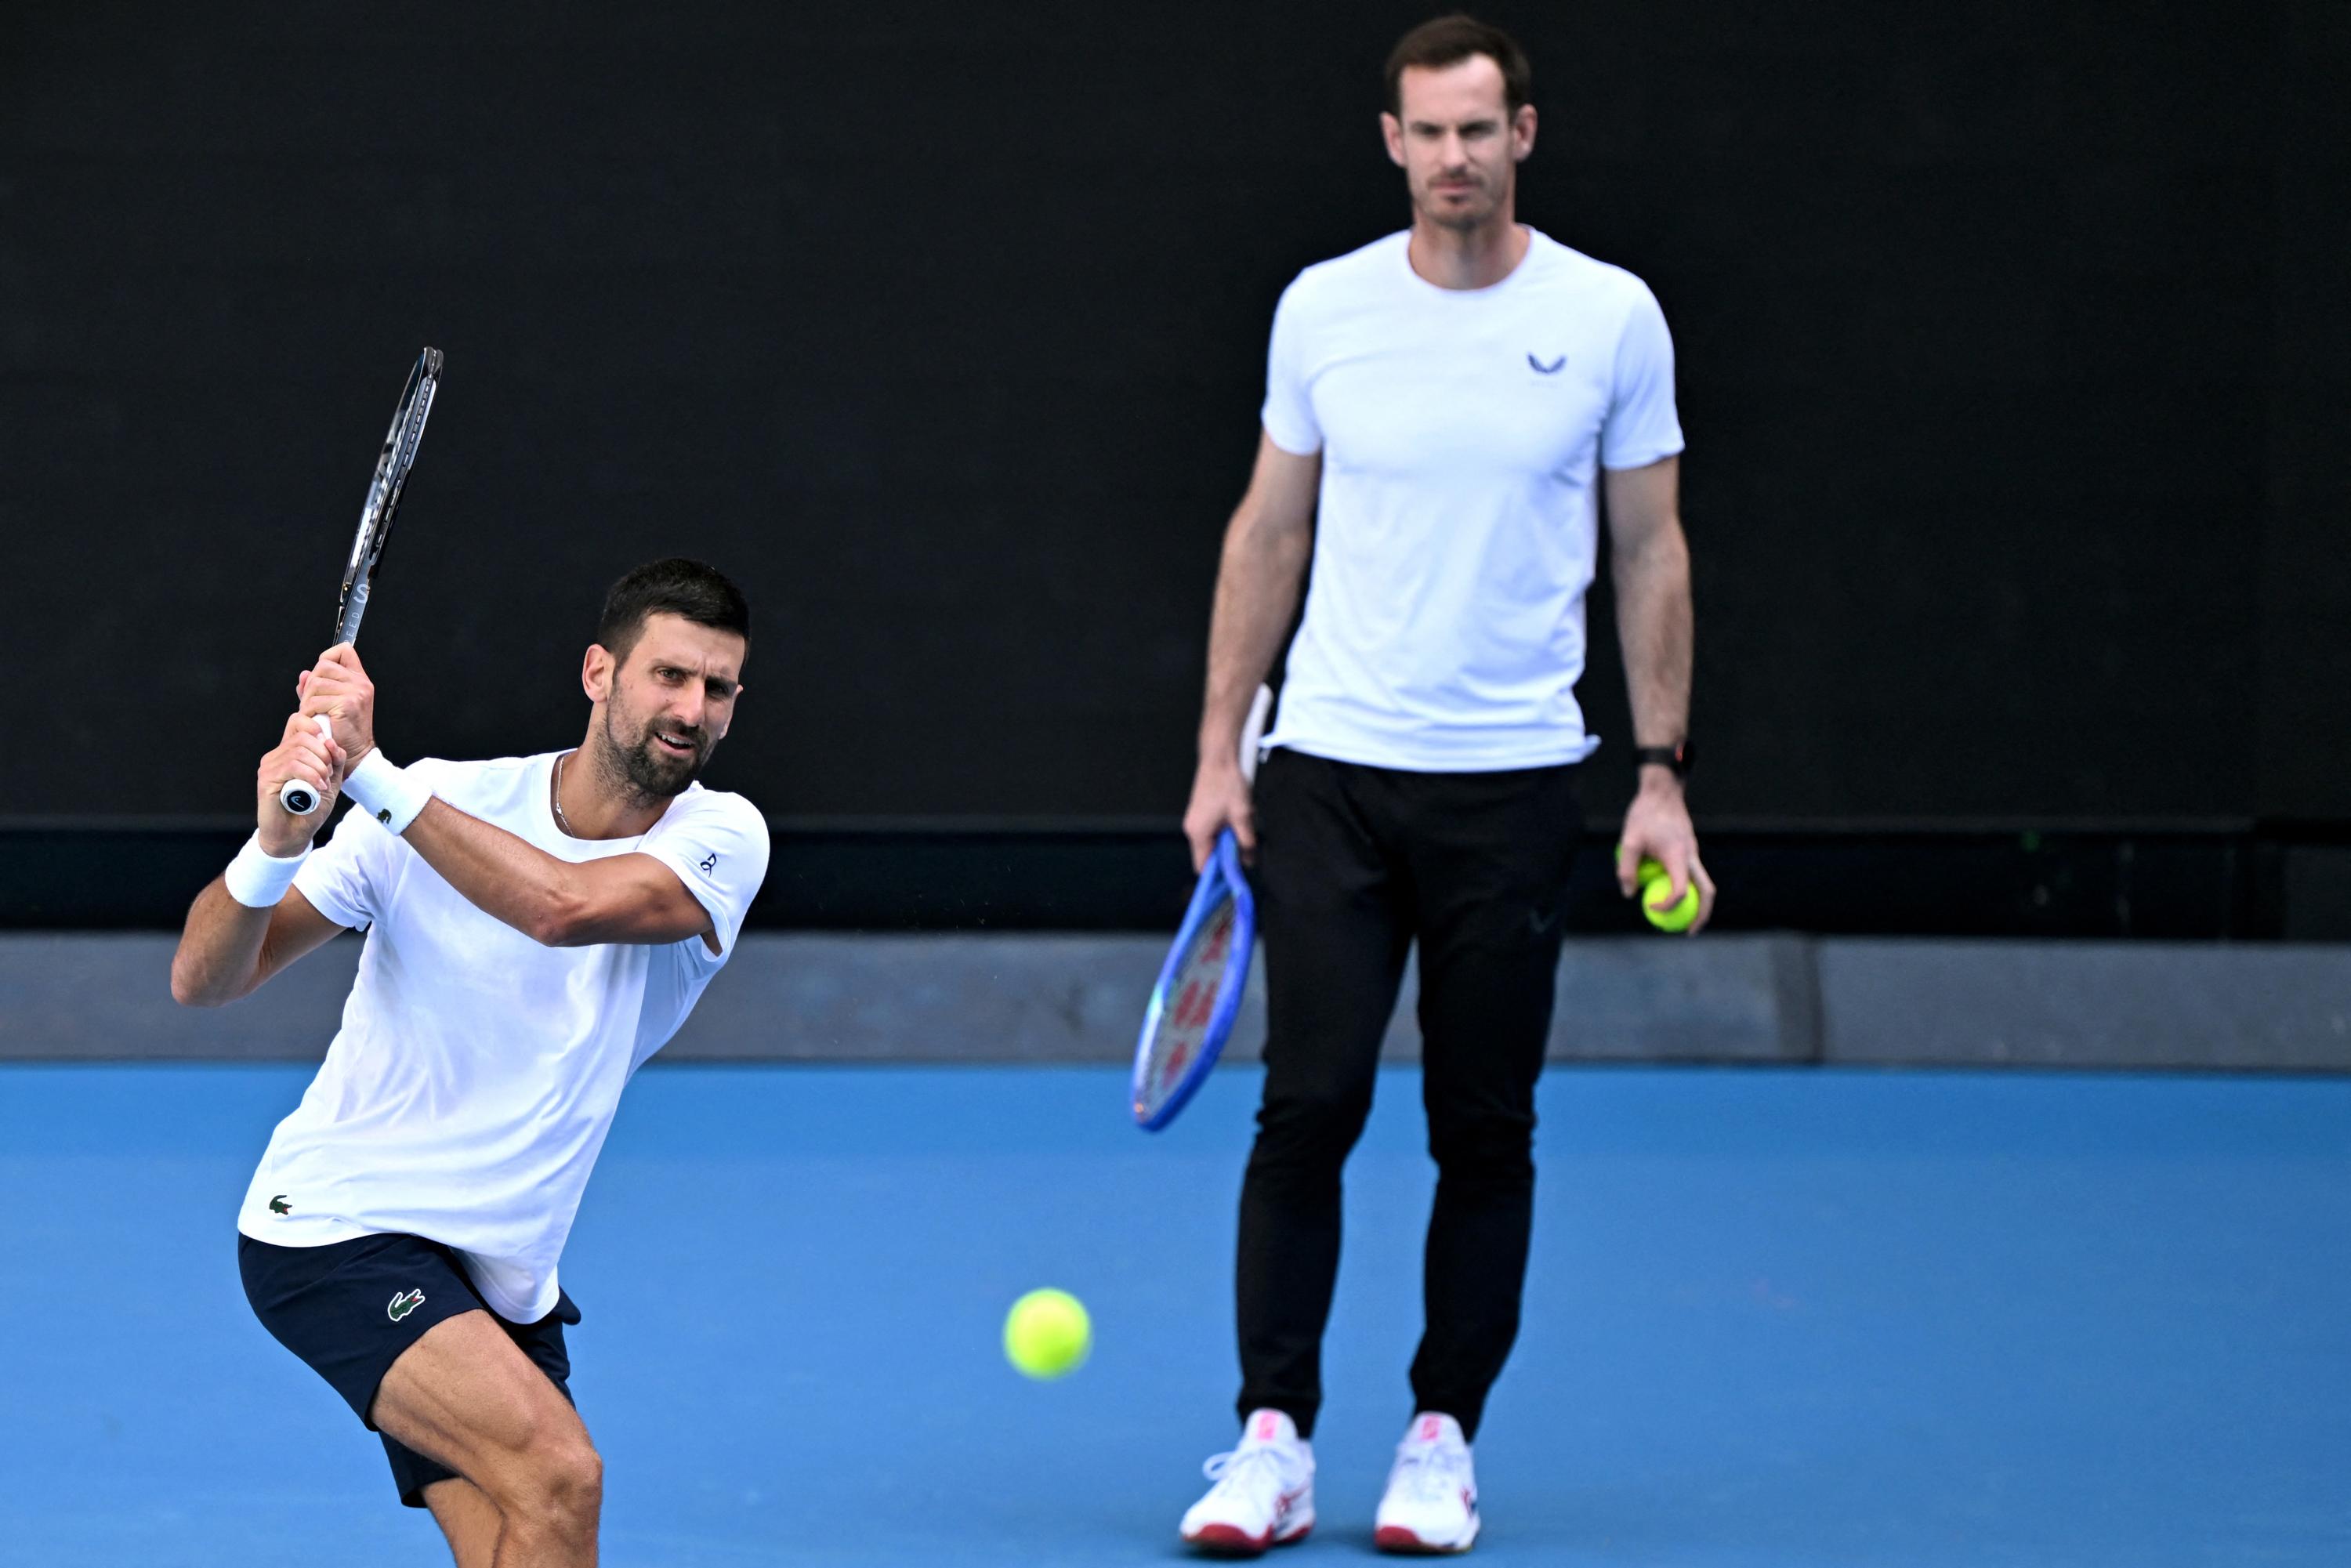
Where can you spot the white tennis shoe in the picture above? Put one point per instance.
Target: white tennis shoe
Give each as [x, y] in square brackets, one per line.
[1264, 1494]
[1431, 1503]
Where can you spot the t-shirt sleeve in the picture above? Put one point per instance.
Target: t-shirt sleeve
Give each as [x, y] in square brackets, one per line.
[718, 848]
[347, 878]
[1642, 426]
[1289, 414]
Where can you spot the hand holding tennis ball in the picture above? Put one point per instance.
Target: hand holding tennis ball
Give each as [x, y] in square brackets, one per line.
[1655, 886]
[1047, 1335]
[1656, 889]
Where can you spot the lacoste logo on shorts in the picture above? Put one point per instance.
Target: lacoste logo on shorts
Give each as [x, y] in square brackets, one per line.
[384, 816]
[1551, 369]
[279, 1207]
[710, 862]
[403, 1304]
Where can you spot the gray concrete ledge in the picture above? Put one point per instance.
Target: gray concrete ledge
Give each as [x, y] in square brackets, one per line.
[2094, 1003]
[1040, 998]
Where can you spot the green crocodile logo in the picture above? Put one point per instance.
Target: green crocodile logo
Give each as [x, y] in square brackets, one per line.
[401, 1305]
[279, 1206]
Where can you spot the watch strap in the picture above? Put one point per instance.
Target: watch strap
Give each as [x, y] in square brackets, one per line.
[1676, 756]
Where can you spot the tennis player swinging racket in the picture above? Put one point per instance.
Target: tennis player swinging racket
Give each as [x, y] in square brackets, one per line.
[536, 928]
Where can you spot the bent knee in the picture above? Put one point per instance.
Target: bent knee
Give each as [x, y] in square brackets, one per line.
[572, 1475]
[578, 1471]
[556, 1484]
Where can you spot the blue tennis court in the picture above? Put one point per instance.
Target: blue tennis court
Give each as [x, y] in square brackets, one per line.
[1776, 1317]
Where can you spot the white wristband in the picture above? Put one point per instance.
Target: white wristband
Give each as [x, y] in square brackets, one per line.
[386, 792]
[256, 878]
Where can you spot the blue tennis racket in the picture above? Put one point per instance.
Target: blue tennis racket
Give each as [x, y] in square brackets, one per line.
[1200, 991]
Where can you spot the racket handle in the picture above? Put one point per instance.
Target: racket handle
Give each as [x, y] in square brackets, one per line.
[294, 794]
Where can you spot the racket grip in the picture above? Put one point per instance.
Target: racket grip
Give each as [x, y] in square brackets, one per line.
[294, 794]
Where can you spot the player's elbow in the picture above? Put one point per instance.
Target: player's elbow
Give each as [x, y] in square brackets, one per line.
[190, 988]
[552, 930]
[560, 920]
[1650, 544]
[1268, 526]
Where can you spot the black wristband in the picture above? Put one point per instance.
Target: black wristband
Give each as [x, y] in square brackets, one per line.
[1676, 757]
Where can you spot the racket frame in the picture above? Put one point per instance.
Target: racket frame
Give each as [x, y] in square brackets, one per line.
[383, 503]
[1220, 879]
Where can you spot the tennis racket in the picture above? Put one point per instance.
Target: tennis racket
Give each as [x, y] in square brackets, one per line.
[1198, 996]
[375, 526]
[1192, 1009]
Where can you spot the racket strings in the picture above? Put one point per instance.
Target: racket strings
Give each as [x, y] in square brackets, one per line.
[1184, 1022]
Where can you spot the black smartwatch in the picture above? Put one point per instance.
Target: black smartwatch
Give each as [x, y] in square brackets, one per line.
[1676, 757]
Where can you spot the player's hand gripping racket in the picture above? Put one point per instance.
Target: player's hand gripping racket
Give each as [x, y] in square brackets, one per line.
[375, 526]
[1198, 996]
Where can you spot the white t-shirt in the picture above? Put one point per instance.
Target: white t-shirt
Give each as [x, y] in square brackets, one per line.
[475, 1073]
[1461, 433]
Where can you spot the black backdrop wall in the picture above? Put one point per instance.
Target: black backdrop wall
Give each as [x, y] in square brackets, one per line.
[2011, 346]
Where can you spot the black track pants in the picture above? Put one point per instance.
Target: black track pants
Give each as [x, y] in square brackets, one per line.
[1354, 865]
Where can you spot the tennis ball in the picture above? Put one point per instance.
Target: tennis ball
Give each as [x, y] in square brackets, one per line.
[1047, 1335]
[1655, 885]
[1650, 877]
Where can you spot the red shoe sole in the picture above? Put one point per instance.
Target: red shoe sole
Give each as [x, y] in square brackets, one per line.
[1395, 1538]
[1224, 1541]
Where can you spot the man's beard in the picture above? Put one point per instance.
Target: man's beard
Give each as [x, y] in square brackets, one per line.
[647, 771]
[1484, 201]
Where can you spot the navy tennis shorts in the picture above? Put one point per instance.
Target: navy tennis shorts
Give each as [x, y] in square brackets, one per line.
[349, 1309]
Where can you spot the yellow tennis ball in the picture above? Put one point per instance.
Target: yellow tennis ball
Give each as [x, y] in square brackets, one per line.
[1047, 1335]
[1654, 888]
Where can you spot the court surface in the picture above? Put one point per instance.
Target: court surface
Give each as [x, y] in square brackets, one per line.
[1776, 1317]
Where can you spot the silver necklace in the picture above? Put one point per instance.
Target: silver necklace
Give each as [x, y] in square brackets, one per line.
[560, 817]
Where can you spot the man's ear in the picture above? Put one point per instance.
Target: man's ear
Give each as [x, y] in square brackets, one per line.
[596, 672]
[1392, 133]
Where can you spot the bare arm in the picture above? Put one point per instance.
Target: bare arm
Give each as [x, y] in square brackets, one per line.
[226, 950]
[1258, 579]
[1651, 581]
[1654, 622]
[557, 902]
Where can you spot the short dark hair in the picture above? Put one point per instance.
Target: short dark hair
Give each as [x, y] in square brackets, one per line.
[673, 586]
[1449, 40]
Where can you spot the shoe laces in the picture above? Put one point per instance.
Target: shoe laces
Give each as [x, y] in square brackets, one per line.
[1250, 1466]
[1429, 1472]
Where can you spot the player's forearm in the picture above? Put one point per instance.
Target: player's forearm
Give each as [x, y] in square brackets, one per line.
[500, 874]
[1654, 620]
[219, 956]
[1257, 594]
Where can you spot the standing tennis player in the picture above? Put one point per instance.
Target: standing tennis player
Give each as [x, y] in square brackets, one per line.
[1453, 403]
[538, 927]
